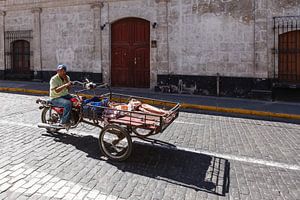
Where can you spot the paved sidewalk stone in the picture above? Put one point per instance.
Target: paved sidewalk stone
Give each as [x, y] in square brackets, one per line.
[4, 187]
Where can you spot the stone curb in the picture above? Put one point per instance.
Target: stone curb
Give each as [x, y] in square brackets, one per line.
[185, 105]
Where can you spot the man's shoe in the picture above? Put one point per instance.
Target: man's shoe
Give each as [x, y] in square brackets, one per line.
[66, 126]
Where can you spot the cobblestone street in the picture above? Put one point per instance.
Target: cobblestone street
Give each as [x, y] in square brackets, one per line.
[200, 157]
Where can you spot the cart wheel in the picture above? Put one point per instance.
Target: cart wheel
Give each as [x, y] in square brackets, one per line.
[142, 132]
[50, 118]
[115, 142]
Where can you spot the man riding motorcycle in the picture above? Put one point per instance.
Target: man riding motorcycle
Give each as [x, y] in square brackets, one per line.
[59, 94]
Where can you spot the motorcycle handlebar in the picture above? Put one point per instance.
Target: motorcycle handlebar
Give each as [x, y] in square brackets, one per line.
[90, 85]
[77, 82]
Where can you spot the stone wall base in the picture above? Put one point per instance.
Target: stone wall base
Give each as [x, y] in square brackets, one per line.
[241, 87]
[2, 74]
[214, 85]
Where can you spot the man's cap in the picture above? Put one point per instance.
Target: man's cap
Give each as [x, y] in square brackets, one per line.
[62, 66]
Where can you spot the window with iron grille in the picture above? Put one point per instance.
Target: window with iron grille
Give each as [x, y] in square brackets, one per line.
[287, 49]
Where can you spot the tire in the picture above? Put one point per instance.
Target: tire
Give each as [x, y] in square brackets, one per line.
[115, 142]
[54, 118]
[142, 132]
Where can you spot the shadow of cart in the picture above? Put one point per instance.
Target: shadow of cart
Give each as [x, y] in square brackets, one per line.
[184, 168]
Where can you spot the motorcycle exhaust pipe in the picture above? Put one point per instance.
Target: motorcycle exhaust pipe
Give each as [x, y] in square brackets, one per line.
[44, 125]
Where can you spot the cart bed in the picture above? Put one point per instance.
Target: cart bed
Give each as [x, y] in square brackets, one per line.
[137, 119]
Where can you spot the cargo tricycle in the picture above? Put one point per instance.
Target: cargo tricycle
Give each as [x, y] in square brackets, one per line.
[119, 116]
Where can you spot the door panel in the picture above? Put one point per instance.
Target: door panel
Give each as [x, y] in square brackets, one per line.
[130, 68]
[140, 71]
[289, 57]
[120, 33]
[120, 69]
[141, 33]
[21, 57]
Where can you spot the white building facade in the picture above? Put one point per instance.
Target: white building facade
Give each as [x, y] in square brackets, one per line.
[212, 47]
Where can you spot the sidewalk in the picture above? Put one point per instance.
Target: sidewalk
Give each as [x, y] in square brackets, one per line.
[276, 109]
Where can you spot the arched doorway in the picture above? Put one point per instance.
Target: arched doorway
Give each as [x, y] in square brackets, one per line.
[130, 53]
[289, 57]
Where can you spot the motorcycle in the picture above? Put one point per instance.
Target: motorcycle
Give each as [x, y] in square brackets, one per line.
[51, 114]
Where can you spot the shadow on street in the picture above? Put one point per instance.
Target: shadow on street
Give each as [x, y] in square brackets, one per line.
[188, 169]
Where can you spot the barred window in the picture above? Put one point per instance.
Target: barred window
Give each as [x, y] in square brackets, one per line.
[287, 49]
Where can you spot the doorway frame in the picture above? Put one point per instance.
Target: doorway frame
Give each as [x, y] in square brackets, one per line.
[127, 19]
[106, 45]
[13, 58]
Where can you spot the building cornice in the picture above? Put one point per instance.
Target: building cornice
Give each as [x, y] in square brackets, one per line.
[49, 4]
[162, 1]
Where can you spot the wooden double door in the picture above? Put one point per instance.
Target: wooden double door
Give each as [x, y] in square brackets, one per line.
[130, 53]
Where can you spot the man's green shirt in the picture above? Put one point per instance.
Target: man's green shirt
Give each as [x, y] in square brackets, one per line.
[56, 81]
